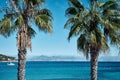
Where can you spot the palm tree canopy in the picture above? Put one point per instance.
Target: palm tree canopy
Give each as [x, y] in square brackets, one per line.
[19, 12]
[96, 25]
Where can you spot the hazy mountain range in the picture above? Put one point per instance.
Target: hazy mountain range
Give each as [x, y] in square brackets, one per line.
[54, 58]
[71, 58]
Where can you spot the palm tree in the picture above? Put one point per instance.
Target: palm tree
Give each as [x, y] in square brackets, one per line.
[18, 16]
[97, 26]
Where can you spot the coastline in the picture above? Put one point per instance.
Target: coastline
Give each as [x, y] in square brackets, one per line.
[8, 61]
[58, 61]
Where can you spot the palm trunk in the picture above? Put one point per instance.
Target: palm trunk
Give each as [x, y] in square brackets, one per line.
[94, 64]
[22, 42]
[21, 64]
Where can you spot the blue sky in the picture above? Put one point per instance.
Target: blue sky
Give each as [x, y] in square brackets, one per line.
[48, 44]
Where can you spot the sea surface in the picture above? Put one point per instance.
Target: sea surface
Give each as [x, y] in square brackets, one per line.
[61, 71]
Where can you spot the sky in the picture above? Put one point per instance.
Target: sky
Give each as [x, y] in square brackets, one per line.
[54, 44]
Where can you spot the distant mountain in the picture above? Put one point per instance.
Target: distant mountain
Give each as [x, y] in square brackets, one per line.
[109, 58]
[71, 58]
[56, 58]
[6, 58]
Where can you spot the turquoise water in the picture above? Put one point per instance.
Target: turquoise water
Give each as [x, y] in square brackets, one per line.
[61, 71]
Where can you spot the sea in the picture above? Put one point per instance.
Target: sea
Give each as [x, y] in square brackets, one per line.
[62, 70]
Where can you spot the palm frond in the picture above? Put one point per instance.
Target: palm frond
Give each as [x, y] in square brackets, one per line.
[71, 11]
[31, 32]
[100, 4]
[98, 35]
[10, 15]
[44, 23]
[110, 27]
[77, 4]
[19, 21]
[45, 12]
[115, 21]
[75, 30]
[110, 5]
[5, 27]
[83, 45]
[81, 41]
[92, 38]
[104, 45]
[36, 2]
[81, 17]
[115, 39]
[44, 20]
[70, 22]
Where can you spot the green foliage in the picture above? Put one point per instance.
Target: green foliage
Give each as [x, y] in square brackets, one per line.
[6, 58]
[95, 26]
[36, 2]
[71, 11]
[43, 20]
[5, 27]
[77, 4]
[18, 14]
[81, 41]
[31, 32]
[19, 21]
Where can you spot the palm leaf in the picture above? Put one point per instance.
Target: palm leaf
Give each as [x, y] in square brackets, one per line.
[100, 4]
[83, 45]
[19, 21]
[31, 32]
[81, 41]
[77, 4]
[45, 12]
[115, 21]
[110, 5]
[70, 22]
[5, 27]
[104, 45]
[36, 2]
[75, 30]
[71, 11]
[44, 23]
[115, 40]
[92, 38]
[98, 35]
